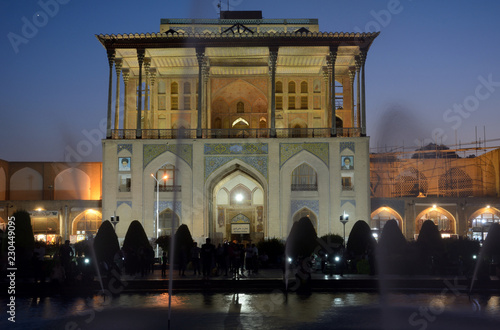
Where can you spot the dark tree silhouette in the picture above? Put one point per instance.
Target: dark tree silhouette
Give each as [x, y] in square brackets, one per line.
[360, 240]
[392, 249]
[136, 237]
[430, 247]
[301, 241]
[106, 243]
[183, 241]
[136, 243]
[361, 244]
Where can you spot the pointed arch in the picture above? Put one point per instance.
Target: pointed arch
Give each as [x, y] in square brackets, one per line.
[86, 223]
[166, 217]
[72, 184]
[26, 184]
[380, 216]
[443, 219]
[304, 178]
[306, 213]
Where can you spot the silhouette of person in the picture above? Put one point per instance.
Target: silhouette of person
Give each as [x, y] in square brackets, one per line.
[65, 255]
[207, 255]
[164, 264]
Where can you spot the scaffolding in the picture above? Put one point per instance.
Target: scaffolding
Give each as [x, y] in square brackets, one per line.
[434, 170]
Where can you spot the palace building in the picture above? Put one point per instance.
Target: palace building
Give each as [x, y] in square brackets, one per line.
[239, 126]
[255, 122]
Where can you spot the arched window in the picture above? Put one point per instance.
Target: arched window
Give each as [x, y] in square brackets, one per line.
[304, 178]
[455, 183]
[187, 88]
[165, 222]
[174, 98]
[187, 96]
[87, 223]
[279, 87]
[303, 87]
[168, 178]
[339, 96]
[443, 221]
[174, 88]
[380, 217]
[291, 87]
[240, 107]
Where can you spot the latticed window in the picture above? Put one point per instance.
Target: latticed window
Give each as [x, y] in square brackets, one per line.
[167, 176]
[240, 107]
[279, 87]
[187, 103]
[339, 96]
[347, 183]
[174, 88]
[174, 98]
[279, 102]
[455, 183]
[304, 104]
[291, 102]
[304, 178]
[303, 87]
[410, 182]
[187, 88]
[291, 87]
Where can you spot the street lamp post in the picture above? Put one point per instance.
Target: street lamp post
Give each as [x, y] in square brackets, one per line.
[157, 207]
[114, 220]
[344, 218]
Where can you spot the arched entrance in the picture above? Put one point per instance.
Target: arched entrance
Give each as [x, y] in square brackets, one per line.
[237, 207]
[481, 221]
[442, 219]
[86, 224]
[379, 218]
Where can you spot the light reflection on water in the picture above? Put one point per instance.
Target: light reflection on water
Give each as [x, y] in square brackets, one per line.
[266, 311]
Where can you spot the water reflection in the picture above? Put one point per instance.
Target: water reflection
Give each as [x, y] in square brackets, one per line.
[247, 311]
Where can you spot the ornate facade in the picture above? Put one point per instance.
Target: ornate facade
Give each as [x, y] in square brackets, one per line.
[255, 122]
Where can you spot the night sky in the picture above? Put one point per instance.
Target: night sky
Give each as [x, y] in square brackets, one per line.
[433, 74]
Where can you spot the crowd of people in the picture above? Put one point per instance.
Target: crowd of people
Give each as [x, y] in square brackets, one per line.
[225, 259]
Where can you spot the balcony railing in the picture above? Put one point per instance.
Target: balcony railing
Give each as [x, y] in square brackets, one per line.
[234, 133]
[169, 188]
[304, 187]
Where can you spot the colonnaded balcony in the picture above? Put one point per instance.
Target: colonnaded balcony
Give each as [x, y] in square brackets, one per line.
[235, 133]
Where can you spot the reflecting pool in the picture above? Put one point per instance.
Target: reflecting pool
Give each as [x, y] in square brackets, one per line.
[273, 310]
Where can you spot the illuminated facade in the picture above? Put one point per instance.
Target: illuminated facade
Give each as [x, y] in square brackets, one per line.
[256, 122]
[64, 201]
[457, 189]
